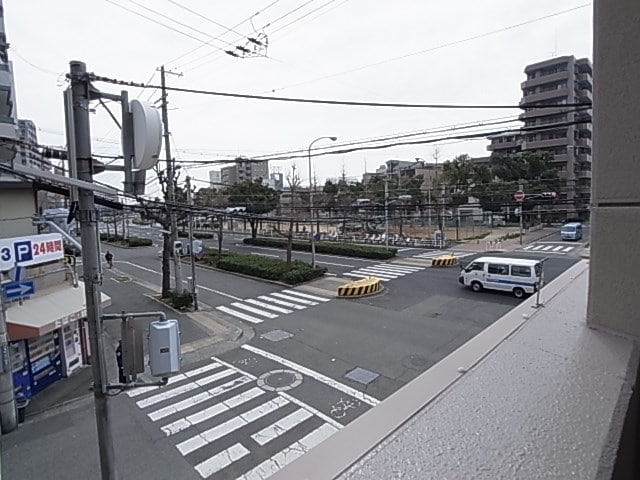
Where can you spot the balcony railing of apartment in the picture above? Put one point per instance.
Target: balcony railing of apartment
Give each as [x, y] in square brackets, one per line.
[554, 77]
[536, 97]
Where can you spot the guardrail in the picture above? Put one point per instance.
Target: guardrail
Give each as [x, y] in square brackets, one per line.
[444, 261]
[360, 288]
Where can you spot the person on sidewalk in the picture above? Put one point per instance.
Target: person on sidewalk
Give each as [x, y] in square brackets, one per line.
[121, 376]
[109, 258]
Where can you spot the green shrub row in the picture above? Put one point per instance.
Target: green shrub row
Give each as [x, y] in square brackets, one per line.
[203, 235]
[265, 267]
[333, 248]
[131, 241]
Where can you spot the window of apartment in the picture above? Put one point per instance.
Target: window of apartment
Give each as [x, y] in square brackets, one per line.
[531, 138]
[498, 269]
[520, 271]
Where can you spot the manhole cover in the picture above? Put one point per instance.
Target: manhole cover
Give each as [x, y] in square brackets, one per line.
[277, 335]
[362, 375]
[122, 279]
[279, 380]
[416, 362]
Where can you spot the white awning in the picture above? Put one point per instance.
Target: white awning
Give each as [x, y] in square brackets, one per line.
[48, 311]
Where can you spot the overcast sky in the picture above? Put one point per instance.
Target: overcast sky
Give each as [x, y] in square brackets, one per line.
[356, 43]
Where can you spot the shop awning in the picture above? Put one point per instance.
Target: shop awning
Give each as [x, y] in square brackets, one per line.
[48, 311]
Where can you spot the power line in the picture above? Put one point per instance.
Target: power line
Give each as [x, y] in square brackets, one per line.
[303, 16]
[331, 102]
[437, 47]
[227, 29]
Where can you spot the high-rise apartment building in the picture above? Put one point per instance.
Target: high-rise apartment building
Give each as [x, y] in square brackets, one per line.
[28, 153]
[243, 170]
[558, 81]
[8, 110]
[215, 178]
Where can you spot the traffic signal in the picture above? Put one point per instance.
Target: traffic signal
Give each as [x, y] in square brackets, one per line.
[548, 194]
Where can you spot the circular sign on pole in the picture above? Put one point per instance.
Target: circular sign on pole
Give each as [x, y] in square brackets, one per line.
[147, 135]
[519, 196]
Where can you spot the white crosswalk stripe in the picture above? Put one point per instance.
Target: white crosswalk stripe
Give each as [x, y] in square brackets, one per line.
[256, 310]
[440, 253]
[383, 271]
[548, 247]
[239, 413]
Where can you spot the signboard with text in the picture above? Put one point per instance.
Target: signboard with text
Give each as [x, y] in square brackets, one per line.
[32, 250]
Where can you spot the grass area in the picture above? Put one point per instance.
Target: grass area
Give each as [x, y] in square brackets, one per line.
[332, 248]
[478, 237]
[263, 267]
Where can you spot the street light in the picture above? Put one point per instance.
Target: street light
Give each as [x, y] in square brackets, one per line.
[313, 242]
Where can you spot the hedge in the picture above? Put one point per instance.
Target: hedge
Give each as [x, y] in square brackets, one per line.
[139, 242]
[264, 267]
[333, 248]
[202, 235]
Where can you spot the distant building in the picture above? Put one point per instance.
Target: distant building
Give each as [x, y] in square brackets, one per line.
[8, 110]
[244, 169]
[276, 181]
[557, 81]
[28, 152]
[215, 178]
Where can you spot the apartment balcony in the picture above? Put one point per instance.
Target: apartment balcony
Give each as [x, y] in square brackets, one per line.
[554, 77]
[584, 95]
[538, 144]
[537, 97]
[543, 112]
[584, 158]
[504, 145]
[583, 142]
[560, 158]
[583, 173]
[584, 79]
[536, 394]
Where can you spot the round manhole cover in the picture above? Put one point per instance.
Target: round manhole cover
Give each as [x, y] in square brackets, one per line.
[279, 380]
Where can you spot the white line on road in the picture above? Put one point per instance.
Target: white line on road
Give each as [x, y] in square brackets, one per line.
[407, 249]
[241, 315]
[264, 254]
[538, 247]
[548, 247]
[313, 374]
[257, 311]
[266, 305]
[559, 247]
[221, 460]
[357, 275]
[303, 253]
[306, 295]
[199, 286]
[336, 264]
[282, 302]
[295, 299]
[281, 427]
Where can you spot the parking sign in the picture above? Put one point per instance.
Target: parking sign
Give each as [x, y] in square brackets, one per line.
[25, 251]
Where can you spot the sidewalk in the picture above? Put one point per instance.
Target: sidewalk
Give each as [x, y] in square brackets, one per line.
[496, 241]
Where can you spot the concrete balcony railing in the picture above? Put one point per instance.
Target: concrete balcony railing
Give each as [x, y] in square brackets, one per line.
[583, 142]
[537, 394]
[543, 112]
[583, 173]
[551, 142]
[503, 145]
[537, 97]
[554, 77]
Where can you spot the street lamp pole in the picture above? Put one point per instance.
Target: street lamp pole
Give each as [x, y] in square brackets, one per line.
[313, 242]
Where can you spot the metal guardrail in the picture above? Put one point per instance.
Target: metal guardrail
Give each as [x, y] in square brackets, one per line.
[359, 288]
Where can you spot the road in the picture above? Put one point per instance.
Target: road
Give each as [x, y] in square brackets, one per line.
[315, 363]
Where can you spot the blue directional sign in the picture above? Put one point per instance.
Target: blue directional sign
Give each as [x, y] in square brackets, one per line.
[18, 289]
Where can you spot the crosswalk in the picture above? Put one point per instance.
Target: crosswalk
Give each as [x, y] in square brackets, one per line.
[438, 253]
[559, 249]
[383, 271]
[268, 307]
[226, 426]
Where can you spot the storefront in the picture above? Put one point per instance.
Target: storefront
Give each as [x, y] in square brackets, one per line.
[46, 334]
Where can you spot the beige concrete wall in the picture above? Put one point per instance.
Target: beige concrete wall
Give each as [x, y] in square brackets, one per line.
[614, 286]
[16, 208]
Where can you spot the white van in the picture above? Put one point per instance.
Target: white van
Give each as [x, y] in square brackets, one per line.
[571, 231]
[516, 275]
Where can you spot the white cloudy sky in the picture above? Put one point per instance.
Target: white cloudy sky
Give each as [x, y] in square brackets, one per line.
[308, 40]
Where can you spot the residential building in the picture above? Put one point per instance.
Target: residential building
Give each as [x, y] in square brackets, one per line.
[276, 181]
[244, 169]
[28, 153]
[215, 178]
[558, 81]
[8, 110]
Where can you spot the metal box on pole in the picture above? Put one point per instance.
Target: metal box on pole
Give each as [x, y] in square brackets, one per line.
[164, 348]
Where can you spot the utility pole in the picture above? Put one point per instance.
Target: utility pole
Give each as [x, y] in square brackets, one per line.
[171, 172]
[92, 276]
[194, 289]
[521, 188]
[8, 418]
[386, 210]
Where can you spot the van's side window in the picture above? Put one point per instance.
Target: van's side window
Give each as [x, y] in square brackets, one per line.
[475, 266]
[519, 271]
[498, 269]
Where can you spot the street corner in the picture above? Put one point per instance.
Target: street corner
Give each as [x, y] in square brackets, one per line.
[327, 286]
[222, 333]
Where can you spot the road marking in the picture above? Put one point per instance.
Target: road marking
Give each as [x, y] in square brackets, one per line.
[254, 310]
[406, 249]
[538, 247]
[200, 440]
[527, 247]
[199, 286]
[201, 397]
[331, 274]
[282, 302]
[281, 427]
[402, 268]
[266, 305]
[306, 295]
[568, 249]
[265, 254]
[559, 247]
[210, 412]
[240, 315]
[221, 460]
[357, 275]
[313, 374]
[289, 454]
[187, 387]
[339, 257]
[378, 274]
[548, 247]
[295, 299]
[176, 378]
[336, 264]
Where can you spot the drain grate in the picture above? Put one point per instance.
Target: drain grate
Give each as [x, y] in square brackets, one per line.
[276, 335]
[362, 375]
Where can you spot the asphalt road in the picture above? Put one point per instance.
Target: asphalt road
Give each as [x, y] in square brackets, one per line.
[315, 364]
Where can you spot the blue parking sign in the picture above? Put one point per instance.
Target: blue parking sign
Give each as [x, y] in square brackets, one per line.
[23, 251]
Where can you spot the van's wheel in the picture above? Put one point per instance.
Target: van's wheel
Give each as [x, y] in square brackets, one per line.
[476, 286]
[518, 292]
